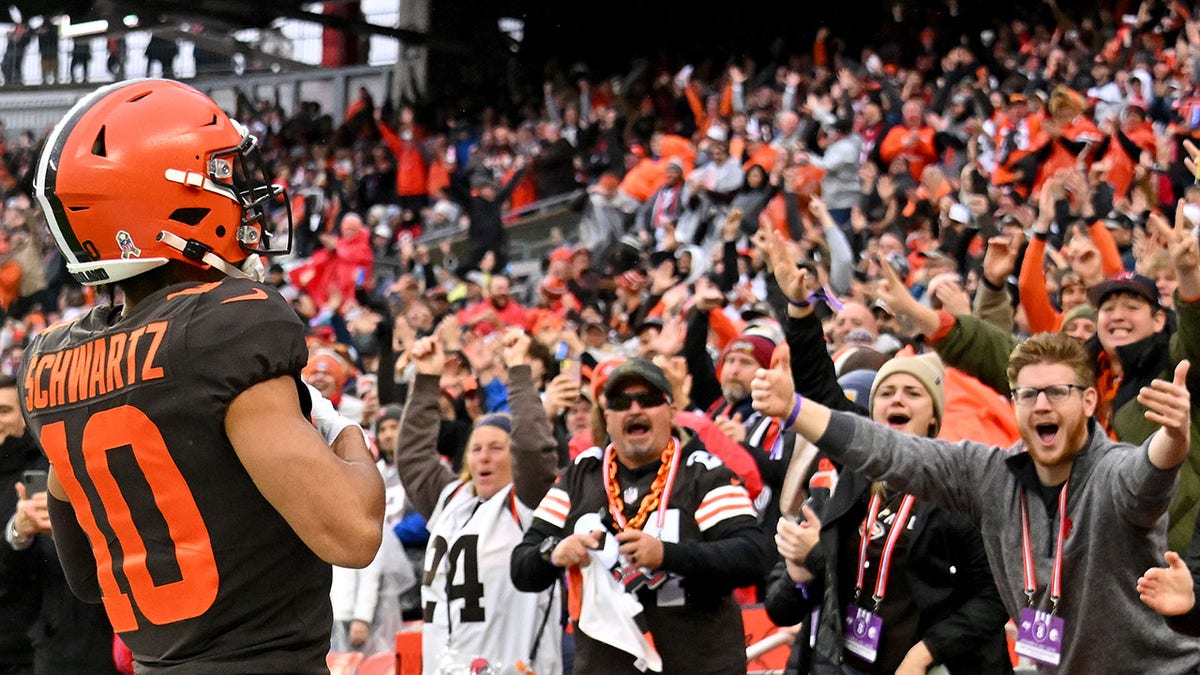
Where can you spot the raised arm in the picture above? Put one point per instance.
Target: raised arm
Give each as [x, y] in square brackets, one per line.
[813, 372]
[534, 448]
[947, 474]
[422, 473]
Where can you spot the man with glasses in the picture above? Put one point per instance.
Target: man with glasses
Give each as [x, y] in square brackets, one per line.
[1069, 518]
[655, 533]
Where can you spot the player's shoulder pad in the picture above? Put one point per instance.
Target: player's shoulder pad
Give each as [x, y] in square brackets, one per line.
[237, 300]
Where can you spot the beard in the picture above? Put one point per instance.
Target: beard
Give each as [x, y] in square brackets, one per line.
[734, 392]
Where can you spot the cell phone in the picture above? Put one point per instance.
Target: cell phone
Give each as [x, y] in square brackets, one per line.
[35, 482]
[572, 368]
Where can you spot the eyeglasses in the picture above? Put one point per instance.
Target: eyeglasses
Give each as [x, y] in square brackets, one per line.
[1056, 394]
[644, 399]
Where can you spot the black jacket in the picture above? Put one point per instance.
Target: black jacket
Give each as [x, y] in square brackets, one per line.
[961, 617]
[20, 597]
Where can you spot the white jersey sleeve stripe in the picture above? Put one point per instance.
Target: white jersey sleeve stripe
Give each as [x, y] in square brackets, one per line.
[721, 497]
[723, 503]
[724, 513]
[554, 507]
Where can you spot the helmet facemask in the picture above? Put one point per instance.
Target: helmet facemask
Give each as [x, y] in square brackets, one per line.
[243, 173]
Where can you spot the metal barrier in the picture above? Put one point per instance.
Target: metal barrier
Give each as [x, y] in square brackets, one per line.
[36, 109]
[528, 227]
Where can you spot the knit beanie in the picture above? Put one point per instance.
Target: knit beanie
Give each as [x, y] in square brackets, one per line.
[502, 421]
[1078, 311]
[757, 341]
[928, 370]
[388, 412]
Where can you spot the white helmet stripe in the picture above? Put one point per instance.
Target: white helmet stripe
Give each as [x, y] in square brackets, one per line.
[53, 208]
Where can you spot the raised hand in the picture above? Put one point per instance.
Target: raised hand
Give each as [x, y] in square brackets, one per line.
[782, 253]
[516, 347]
[892, 289]
[950, 293]
[1168, 404]
[670, 339]
[1181, 242]
[773, 393]
[1168, 590]
[1000, 259]
[676, 370]
[1084, 258]
[1193, 153]
[428, 356]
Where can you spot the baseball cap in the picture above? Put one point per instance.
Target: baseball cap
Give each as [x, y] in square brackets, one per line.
[1125, 282]
[638, 369]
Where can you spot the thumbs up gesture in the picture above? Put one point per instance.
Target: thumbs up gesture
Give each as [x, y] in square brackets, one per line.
[772, 390]
[1168, 404]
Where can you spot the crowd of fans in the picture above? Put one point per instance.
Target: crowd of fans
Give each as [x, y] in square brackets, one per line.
[936, 198]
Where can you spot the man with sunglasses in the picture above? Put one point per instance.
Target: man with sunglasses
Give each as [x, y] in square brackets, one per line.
[1069, 518]
[655, 533]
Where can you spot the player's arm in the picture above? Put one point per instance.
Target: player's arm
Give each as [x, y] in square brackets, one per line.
[332, 497]
[74, 549]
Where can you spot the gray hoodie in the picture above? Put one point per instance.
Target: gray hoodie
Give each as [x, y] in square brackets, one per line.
[1117, 501]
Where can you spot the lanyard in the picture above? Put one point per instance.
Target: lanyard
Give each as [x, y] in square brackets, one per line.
[664, 496]
[889, 545]
[1027, 552]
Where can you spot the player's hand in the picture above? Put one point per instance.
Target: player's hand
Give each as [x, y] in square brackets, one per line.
[33, 515]
[574, 549]
[1168, 590]
[428, 356]
[359, 632]
[641, 549]
[772, 390]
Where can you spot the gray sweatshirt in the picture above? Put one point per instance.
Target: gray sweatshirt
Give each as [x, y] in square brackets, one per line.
[1117, 501]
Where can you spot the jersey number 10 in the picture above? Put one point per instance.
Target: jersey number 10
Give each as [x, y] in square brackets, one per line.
[196, 590]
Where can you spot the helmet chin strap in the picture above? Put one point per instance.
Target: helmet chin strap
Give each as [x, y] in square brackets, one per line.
[251, 268]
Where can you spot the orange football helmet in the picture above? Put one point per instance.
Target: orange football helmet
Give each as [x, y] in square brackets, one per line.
[145, 171]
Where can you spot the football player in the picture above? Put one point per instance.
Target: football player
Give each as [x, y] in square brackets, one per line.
[189, 490]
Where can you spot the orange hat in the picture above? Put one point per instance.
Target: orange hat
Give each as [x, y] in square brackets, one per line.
[553, 287]
[609, 182]
[328, 361]
[561, 254]
[601, 372]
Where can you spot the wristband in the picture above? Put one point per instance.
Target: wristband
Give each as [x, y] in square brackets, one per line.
[328, 421]
[795, 413]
